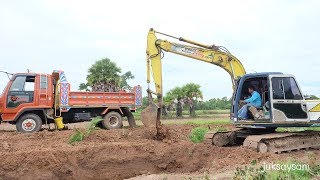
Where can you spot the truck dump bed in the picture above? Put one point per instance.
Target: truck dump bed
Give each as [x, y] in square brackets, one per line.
[98, 99]
[66, 99]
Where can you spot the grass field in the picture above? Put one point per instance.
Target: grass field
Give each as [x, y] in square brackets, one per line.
[185, 114]
[305, 171]
[200, 122]
[298, 129]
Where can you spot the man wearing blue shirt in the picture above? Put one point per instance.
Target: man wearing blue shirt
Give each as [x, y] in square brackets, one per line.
[254, 100]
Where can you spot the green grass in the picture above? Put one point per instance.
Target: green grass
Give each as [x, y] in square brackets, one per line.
[298, 129]
[199, 122]
[197, 134]
[221, 129]
[206, 112]
[208, 122]
[136, 115]
[76, 137]
[260, 173]
[80, 135]
[185, 114]
[286, 174]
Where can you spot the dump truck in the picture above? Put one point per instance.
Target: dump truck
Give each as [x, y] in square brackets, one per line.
[283, 104]
[31, 100]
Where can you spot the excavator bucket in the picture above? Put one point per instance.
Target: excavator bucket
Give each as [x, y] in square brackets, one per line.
[150, 116]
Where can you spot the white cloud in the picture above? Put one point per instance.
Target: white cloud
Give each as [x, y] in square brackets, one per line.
[71, 35]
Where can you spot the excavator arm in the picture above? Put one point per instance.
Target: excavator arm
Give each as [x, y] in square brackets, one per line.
[216, 55]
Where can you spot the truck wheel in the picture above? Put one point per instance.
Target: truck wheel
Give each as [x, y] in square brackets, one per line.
[112, 120]
[29, 123]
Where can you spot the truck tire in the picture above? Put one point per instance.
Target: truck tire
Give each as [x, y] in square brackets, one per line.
[112, 120]
[29, 123]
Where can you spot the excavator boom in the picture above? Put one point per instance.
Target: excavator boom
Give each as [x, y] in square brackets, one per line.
[216, 55]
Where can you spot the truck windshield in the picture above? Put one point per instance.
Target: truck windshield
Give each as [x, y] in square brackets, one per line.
[18, 84]
[23, 83]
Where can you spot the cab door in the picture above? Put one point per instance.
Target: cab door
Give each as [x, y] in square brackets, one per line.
[287, 102]
[20, 94]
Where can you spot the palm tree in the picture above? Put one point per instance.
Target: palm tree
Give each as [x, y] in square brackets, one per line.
[105, 75]
[176, 96]
[192, 94]
[188, 94]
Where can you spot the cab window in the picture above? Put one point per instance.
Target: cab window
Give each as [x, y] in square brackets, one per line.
[285, 88]
[18, 84]
[21, 91]
[23, 83]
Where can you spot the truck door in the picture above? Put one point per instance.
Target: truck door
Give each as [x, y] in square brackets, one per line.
[20, 94]
[21, 91]
[287, 102]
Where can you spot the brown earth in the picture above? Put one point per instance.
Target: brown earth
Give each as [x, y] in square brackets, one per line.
[120, 154]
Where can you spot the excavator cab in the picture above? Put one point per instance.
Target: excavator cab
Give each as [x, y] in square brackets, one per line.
[282, 106]
[260, 84]
[282, 101]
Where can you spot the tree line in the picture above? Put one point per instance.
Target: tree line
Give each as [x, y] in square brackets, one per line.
[105, 76]
[211, 104]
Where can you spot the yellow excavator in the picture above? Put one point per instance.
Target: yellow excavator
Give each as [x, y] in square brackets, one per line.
[283, 104]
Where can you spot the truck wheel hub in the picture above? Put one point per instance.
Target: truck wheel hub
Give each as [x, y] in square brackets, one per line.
[113, 121]
[28, 124]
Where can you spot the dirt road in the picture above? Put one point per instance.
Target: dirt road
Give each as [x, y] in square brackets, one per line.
[119, 154]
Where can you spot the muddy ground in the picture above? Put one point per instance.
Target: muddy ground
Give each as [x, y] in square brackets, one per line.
[123, 153]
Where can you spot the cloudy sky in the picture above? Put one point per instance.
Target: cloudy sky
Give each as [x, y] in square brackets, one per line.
[71, 35]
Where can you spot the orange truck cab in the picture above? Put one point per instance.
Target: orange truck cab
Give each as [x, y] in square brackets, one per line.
[33, 99]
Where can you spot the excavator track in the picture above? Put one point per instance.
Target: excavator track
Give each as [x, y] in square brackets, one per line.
[270, 142]
[283, 142]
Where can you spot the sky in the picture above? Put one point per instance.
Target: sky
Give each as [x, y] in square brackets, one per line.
[267, 36]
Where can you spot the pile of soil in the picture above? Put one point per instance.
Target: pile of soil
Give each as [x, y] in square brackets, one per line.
[117, 154]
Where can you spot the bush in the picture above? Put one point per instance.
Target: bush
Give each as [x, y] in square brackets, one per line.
[76, 137]
[197, 134]
[80, 135]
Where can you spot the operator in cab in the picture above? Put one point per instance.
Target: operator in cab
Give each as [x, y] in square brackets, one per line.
[254, 100]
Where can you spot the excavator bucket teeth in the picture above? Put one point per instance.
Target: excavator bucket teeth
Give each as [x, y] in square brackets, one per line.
[150, 116]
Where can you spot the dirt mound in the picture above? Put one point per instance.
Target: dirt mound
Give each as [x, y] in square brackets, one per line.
[115, 154]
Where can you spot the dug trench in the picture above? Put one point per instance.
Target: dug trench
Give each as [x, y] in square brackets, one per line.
[117, 154]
